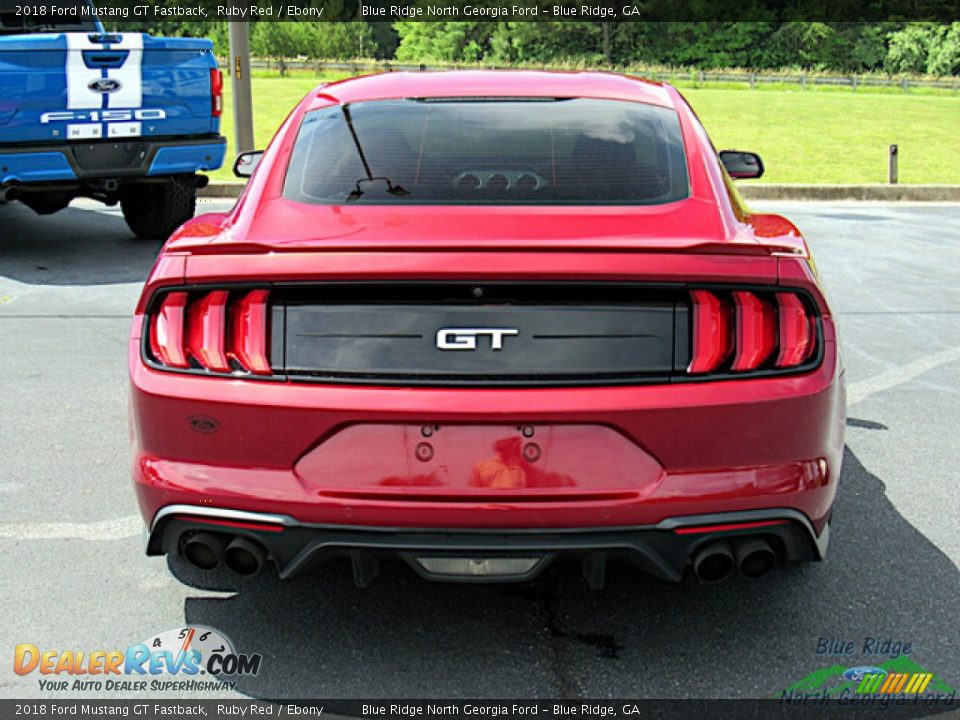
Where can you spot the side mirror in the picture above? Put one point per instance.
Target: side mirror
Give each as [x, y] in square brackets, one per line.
[246, 163]
[741, 165]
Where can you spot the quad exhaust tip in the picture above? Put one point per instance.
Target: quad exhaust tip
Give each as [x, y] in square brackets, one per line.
[204, 550]
[714, 563]
[752, 557]
[755, 558]
[207, 551]
[244, 557]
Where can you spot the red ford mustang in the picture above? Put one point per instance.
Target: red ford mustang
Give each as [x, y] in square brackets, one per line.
[479, 321]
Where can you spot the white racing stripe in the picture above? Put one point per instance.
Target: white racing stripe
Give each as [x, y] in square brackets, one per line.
[79, 76]
[899, 375]
[117, 529]
[129, 96]
[130, 75]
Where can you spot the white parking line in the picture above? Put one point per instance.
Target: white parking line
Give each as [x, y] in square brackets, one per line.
[118, 529]
[899, 375]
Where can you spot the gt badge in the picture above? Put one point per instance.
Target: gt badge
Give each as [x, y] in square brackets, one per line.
[466, 338]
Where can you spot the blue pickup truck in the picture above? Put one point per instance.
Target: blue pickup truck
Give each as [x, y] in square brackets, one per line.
[121, 117]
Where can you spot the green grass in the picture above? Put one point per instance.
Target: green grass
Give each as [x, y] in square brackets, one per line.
[803, 136]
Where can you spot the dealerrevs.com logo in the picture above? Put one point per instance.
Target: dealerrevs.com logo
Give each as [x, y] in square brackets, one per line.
[175, 660]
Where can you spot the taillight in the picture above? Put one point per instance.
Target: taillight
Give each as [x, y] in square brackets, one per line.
[212, 332]
[166, 331]
[216, 93]
[711, 333]
[756, 331]
[796, 331]
[206, 331]
[768, 331]
[248, 332]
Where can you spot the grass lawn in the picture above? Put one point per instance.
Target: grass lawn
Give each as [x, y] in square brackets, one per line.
[803, 136]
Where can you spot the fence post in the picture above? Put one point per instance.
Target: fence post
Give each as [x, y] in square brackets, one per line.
[853, 81]
[905, 85]
[893, 170]
[803, 81]
[753, 80]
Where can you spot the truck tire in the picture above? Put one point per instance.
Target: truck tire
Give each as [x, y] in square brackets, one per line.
[153, 212]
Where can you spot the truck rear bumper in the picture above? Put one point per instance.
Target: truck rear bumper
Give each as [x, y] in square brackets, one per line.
[72, 162]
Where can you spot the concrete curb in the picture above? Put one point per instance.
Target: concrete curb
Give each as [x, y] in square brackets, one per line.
[874, 193]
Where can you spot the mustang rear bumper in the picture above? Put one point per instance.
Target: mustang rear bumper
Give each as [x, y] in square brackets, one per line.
[663, 550]
[318, 470]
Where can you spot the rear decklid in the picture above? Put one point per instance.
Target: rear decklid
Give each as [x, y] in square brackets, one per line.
[689, 226]
[62, 86]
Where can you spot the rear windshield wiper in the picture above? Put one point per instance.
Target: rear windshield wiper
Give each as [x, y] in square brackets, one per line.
[392, 188]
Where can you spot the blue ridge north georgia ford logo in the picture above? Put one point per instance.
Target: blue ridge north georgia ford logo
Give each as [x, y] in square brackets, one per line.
[104, 85]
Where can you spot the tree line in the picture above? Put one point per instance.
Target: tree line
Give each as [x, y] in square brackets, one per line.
[850, 47]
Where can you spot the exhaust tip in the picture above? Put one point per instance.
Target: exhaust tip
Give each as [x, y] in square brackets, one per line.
[204, 550]
[244, 557]
[714, 563]
[755, 558]
[9, 193]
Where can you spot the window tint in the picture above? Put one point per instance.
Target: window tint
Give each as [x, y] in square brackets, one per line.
[49, 16]
[489, 151]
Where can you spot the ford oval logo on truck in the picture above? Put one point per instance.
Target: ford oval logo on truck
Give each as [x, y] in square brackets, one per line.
[104, 85]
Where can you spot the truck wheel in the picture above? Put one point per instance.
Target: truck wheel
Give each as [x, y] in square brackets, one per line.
[153, 212]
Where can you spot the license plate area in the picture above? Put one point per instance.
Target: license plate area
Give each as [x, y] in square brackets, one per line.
[523, 462]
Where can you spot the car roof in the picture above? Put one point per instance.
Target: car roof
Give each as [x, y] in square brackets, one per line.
[494, 83]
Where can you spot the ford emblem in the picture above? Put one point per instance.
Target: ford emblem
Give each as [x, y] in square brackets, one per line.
[104, 85]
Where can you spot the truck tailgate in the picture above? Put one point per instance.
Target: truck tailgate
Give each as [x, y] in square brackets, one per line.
[87, 86]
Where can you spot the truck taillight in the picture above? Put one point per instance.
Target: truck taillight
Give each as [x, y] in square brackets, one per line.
[213, 332]
[744, 331]
[216, 93]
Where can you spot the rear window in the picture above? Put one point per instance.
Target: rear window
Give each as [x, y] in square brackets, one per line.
[48, 16]
[483, 151]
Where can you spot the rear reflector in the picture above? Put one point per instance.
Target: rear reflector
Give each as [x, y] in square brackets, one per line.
[711, 332]
[759, 330]
[212, 332]
[700, 529]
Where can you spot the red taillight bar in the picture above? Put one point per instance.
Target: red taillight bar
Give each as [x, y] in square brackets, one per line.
[796, 331]
[711, 333]
[206, 330]
[166, 331]
[216, 93]
[182, 330]
[756, 331]
[760, 329]
[248, 332]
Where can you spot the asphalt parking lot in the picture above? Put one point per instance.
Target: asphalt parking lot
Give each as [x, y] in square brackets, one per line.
[74, 574]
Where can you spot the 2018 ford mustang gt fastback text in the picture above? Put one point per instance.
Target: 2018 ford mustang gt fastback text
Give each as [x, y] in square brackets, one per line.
[480, 321]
